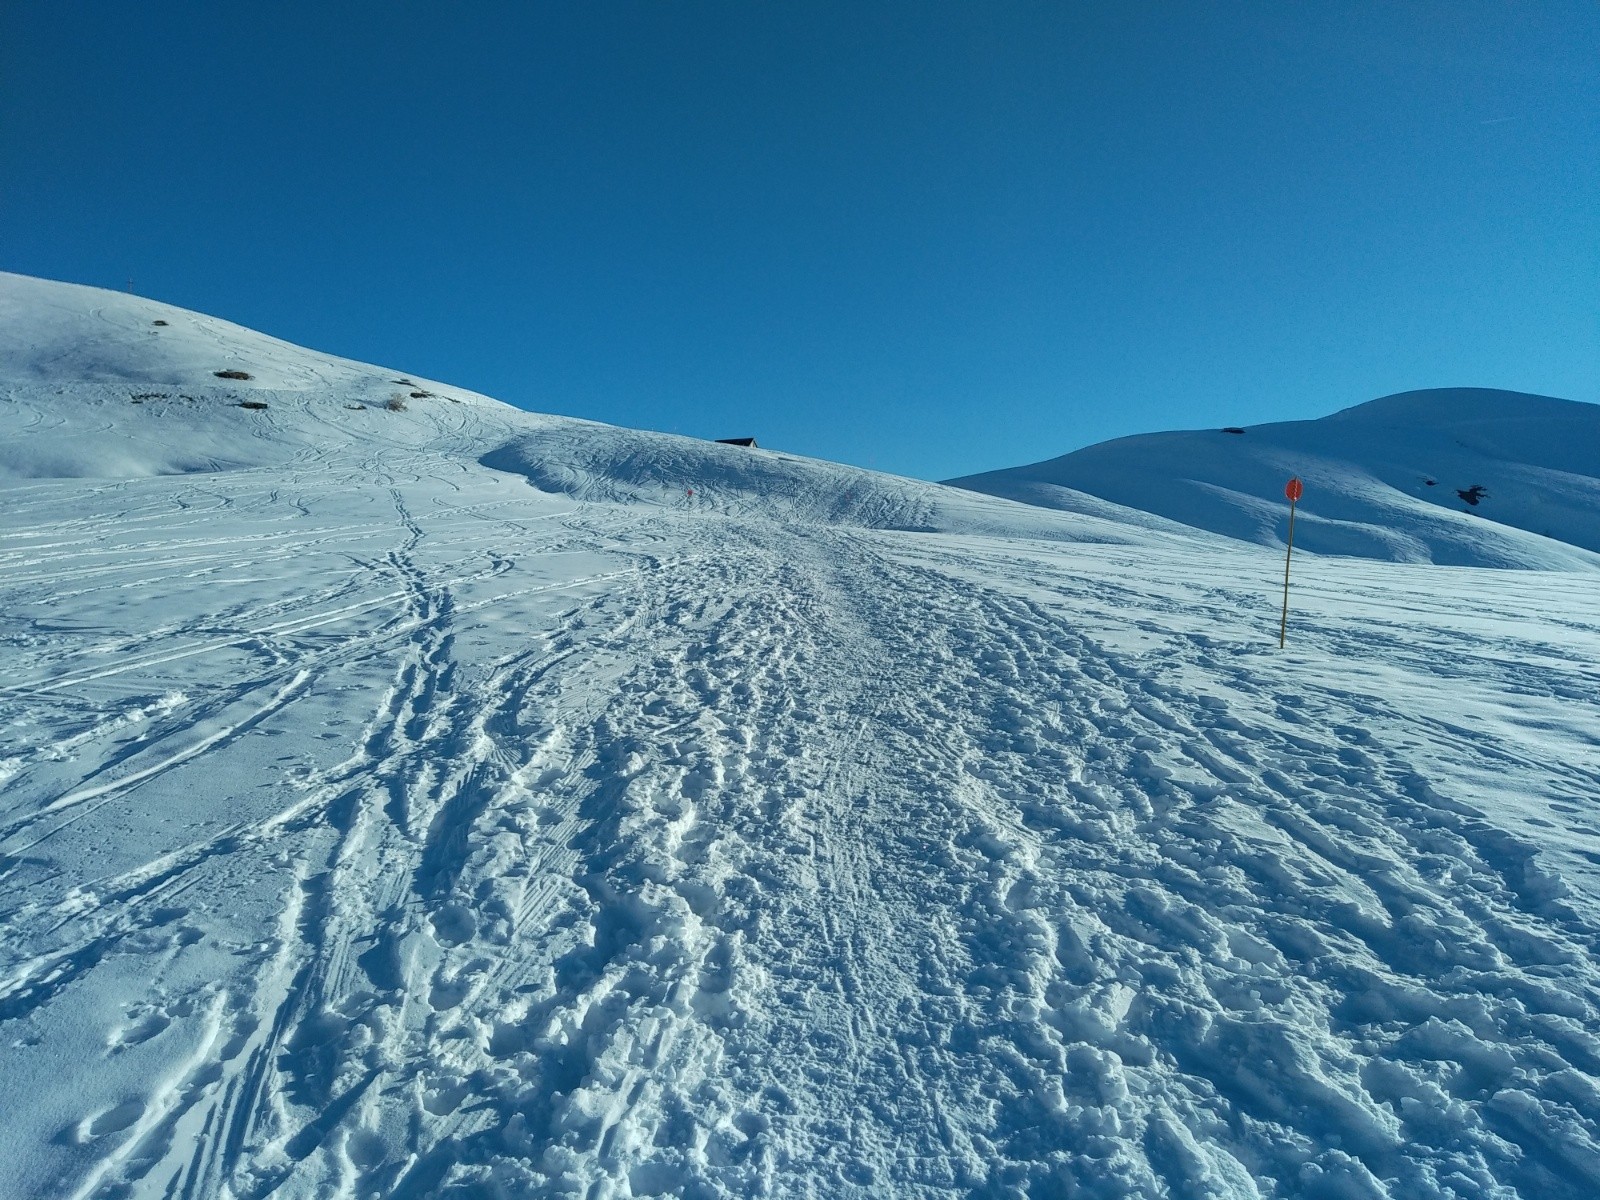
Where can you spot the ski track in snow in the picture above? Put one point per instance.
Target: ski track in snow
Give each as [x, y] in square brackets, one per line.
[654, 852]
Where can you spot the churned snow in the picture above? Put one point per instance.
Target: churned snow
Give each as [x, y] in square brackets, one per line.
[445, 800]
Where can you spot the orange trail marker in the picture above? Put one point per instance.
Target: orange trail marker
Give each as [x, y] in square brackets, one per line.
[1294, 489]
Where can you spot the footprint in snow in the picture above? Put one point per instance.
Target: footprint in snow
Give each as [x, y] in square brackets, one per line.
[110, 1120]
[140, 1029]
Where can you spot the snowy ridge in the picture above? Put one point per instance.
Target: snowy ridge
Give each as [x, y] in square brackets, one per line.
[629, 466]
[1391, 479]
[373, 823]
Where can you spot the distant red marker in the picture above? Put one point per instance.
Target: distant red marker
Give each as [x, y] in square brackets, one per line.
[1294, 489]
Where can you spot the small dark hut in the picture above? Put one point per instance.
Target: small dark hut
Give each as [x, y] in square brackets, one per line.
[738, 442]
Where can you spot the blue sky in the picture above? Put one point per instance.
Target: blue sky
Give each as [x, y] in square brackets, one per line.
[934, 238]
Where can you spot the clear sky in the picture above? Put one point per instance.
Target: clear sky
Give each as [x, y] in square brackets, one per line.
[930, 237]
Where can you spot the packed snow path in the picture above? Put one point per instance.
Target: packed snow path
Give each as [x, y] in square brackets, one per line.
[372, 831]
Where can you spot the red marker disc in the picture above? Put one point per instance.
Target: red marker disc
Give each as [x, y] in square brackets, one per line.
[1294, 489]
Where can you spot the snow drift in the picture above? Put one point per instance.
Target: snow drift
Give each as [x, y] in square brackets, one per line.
[614, 465]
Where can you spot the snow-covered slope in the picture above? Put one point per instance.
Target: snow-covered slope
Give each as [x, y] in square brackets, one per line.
[100, 384]
[1391, 479]
[104, 385]
[607, 464]
[373, 823]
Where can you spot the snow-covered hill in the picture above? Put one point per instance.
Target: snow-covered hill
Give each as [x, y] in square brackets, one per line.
[105, 385]
[373, 823]
[1454, 476]
[100, 384]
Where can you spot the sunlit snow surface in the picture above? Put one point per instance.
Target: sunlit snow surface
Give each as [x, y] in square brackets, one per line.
[378, 823]
[1466, 477]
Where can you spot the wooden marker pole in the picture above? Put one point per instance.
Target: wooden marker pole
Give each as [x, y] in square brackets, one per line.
[1294, 489]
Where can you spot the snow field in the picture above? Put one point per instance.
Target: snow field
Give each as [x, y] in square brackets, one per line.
[375, 824]
[473, 841]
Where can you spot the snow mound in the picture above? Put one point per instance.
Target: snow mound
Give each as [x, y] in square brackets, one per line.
[606, 464]
[1452, 476]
